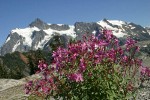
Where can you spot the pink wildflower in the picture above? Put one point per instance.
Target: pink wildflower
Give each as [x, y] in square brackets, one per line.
[45, 89]
[42, 65]
[77, 77]
[82, 65]
[145, 71]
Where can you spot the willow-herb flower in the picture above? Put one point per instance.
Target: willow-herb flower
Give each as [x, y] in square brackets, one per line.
[92, 68]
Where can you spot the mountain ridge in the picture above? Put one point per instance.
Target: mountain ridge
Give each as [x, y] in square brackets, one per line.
[39, 33]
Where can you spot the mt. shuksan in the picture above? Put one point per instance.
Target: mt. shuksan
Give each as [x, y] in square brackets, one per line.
[39, 34]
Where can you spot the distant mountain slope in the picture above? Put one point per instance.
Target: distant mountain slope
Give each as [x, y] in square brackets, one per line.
[148, 29]
[17, 65]
[39, 34]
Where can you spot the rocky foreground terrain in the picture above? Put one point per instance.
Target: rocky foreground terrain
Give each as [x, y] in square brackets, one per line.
[11, 89]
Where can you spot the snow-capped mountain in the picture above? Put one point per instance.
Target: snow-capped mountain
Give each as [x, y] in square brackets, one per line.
[39, 34]
[148, 29]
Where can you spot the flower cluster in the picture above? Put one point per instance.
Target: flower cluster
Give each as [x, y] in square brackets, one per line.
[41, 87]
[130, 45]
[42, 65]
[28, 87]
[77, 77]
[94, 67]
[92, 51]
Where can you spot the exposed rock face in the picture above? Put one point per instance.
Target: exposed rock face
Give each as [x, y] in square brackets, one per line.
[39, 33]
[39, 24]
[130, 29]
[37, 37]
[15, 39]
[81, 28]
[139, 30]
[59, 27]
[57, 40]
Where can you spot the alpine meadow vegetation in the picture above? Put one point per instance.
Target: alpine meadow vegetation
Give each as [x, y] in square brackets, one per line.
[94, 68]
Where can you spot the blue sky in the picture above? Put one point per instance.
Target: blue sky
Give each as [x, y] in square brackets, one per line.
[20, 13]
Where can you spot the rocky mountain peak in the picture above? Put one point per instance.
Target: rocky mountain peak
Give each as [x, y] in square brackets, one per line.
[39, 24]
[105, 20]
[39, 34]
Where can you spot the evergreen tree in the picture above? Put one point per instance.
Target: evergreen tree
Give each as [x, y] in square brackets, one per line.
[56, 42]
